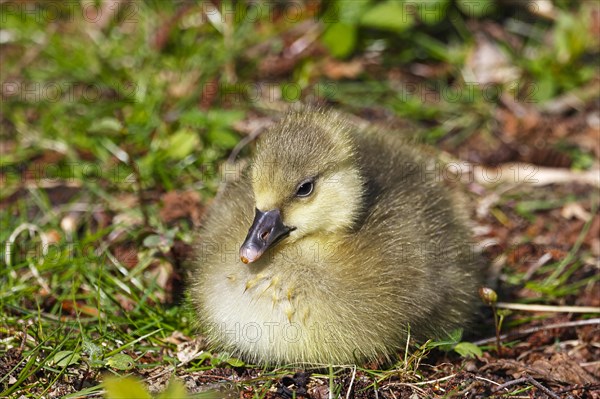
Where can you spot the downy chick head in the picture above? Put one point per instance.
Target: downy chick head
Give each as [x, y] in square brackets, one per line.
[305, 182]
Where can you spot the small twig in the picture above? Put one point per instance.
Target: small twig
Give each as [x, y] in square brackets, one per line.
[509, 384]
[303, 42]
[577, 323]
[166, 370]
[590, 364]
[488, 380]
[244, 142]
[537, 265]
[532, 381]
[351, 383]
[548, 308]
[543, 176]
[547, 391]
[435, 381]
[330, 382]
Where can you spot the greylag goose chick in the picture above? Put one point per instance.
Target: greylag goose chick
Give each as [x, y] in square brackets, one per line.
[335, 245]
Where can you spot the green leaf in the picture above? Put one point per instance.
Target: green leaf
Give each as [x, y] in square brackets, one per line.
[182, 143]
[467, 349]
[528, 208]
[455, 335]
[225, 358]
[545, 88]
[66, 358]
[152, 241]
[92, 350]
[105, 126]
[393, 15]
[164, 241]
[571, 37]
[124, 388]
[504, 312]
[348, 12]
[581, 160]
[224, 118]
[194, 118]
[176, 389]
[120, 361]
[204, 356]
[234, 362]
[447, 344]
[222, 138]
[340, 39]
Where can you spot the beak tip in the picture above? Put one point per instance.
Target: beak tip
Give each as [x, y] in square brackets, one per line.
[266, 230]
[249, 254]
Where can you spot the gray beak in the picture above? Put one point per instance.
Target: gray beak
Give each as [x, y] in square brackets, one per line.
[267, 230]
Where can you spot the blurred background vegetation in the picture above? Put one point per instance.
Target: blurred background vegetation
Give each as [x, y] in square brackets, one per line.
[117, 118]
[166, 82]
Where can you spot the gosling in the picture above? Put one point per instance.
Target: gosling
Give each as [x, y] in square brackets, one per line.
[335, 246]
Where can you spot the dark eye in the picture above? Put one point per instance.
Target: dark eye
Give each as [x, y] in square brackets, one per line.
[305, 188]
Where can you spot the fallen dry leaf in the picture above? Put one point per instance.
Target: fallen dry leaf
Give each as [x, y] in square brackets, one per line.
[163, 274]
[74, 307]
[561, 368]
[337, 70]
[188, 351]
[181, 205]
[488, 64]
[575, 210]
[176, 338]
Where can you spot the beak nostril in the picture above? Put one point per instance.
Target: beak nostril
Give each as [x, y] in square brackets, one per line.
[264, 235]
